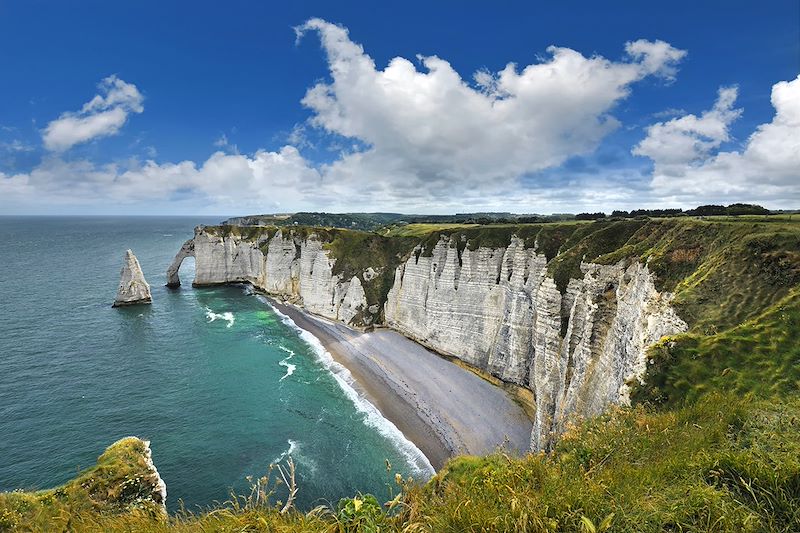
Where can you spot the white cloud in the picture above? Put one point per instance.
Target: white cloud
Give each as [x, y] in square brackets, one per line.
[102, 116]
[689, 138]
[414, 136]
[429, 132]
[767, 167]
[656, 57]
[268, 180]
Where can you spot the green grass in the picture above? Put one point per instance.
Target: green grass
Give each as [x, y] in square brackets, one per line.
[421, 230]
[718, 465]
[120, 483]
[761, 356]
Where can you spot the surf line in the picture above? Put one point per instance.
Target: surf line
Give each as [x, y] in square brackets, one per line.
[285, 363]
[372, 416]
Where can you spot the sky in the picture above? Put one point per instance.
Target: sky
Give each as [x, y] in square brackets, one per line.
[242, 107]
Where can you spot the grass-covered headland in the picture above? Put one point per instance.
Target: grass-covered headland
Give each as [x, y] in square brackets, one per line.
[712, 442]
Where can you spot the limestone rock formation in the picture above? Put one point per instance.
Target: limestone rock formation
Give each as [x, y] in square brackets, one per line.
[497, 309]
[158, 493]
[187, 250]
[296, 268]
[133, 288]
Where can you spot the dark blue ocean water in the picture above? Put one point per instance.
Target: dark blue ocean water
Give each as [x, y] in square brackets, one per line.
[217, 381]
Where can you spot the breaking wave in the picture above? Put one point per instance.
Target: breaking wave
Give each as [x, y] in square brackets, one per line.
[226, 316]
[372, 416]
[285, 363]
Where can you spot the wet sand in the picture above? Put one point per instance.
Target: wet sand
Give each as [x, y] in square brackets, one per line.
[444, 409]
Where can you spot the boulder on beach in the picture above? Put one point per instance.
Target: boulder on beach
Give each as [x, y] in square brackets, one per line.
[133, 288]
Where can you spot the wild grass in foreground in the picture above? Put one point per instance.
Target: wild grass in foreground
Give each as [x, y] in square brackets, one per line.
[722, 464]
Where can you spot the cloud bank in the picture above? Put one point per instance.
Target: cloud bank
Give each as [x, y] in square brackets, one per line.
[420, 138]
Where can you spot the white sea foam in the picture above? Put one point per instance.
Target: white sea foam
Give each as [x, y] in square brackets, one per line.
[226, 316]
[295, 452]
[293, 444]
[285, 362]
[372, 416]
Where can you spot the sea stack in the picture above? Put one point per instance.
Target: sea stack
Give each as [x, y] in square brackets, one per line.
[133, 288]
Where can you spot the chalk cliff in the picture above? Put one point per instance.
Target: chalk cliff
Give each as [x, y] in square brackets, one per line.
[283, 263]
[498, 310]
[133, 288]
[494, 307]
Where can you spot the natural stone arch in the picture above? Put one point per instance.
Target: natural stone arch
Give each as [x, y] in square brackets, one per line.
[187, 250]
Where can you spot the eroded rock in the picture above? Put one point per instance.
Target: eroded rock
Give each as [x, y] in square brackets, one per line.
[133, 288]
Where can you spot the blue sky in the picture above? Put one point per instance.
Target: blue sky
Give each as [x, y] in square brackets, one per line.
[205, 109]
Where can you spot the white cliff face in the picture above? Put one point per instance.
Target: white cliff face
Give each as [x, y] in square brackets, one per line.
[133, 288]
[159, 494]
[187, 250]
[298, 269]
[498, 310]
[494, 308]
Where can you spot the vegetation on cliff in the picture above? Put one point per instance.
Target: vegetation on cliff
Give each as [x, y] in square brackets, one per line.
[122, 483]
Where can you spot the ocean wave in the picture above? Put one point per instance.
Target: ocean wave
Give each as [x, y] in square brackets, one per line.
[295, 452]
[293, 444]
[226, 316]
[285, 362]
[372, 416]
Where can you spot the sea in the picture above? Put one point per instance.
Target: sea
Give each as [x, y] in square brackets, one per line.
[219, 382]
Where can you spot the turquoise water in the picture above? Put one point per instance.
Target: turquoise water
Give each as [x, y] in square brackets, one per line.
[220, 383]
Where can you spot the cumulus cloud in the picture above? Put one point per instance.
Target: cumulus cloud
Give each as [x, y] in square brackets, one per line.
[427, 131]
[101, 116]
[687, 164]
[656, 57]
[683, 140]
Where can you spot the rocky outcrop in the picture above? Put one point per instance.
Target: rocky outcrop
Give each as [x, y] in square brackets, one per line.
[496, 308]
[158, 492]
[187, 250]
[291, 266]
[133, 288]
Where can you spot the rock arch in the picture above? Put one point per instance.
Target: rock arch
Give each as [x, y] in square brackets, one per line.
[187, 250]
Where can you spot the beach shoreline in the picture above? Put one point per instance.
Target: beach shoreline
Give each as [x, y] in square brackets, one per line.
[444, 409]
